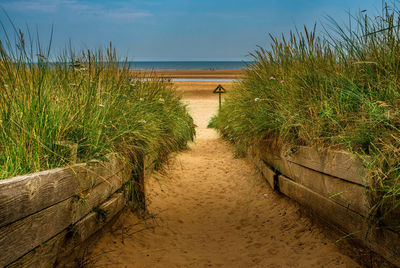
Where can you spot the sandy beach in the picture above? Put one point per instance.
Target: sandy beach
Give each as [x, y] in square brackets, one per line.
[200, 90]
[107, 159]
[210, 209]
[233, 74]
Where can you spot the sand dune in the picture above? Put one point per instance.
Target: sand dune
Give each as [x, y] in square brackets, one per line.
[213, 210]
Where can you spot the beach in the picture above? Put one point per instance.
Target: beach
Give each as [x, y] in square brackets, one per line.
[199, 134]
[214, 74]
[209, 208]
[200, 90]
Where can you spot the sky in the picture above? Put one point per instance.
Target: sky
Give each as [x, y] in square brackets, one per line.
[173, 29]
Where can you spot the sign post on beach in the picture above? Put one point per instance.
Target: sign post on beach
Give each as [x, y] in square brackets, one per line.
[219, 90]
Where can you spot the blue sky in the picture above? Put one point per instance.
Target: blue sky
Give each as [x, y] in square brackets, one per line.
[174, 29]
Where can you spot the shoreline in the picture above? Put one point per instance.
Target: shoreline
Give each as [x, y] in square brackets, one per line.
[201, 90]
[200, 74]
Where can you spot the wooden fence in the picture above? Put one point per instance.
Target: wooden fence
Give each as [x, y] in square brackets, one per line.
[332, 184]
[46, 215]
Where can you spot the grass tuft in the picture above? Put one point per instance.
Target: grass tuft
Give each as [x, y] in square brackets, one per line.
[88, 101]
[340, 91]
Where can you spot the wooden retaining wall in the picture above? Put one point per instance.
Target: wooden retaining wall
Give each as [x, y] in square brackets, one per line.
[332, 185]
[46, 215]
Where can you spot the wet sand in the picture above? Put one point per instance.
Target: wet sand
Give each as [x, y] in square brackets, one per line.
[193, 73]
[200, 90]
[210, 209]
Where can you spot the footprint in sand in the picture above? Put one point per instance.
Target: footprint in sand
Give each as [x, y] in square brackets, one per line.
[213, 214]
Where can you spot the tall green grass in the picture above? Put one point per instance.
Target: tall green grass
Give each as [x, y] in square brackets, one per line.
[340, 89]
[84, 98]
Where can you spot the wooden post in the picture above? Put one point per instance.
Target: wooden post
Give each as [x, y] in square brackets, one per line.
[220, 101]
[137, 184]
[219, 90]
[73, 147]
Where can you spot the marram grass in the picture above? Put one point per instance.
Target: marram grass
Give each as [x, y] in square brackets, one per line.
[86, 99]
[339, 91]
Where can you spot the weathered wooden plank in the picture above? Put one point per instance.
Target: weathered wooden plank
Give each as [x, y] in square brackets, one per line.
[335, 163]
[87, 227]
[339, 164]
[92, 222]
[335, 213]
[383, 241]
[137, 189]
[72, 147]
[386, 243]
[350, 195]
[62, 244]
[22, 236]
[24, 195]
[312, 189]
[266, 172]
[268, 175]
[272, 160]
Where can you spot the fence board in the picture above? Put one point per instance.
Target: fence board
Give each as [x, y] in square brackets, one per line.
[339, 164]
[350, 195]
[47, 254]
[22, 236]
[24, 195]
[383, 241]
[266, 172]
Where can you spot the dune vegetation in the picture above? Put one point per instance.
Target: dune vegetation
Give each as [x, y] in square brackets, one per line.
[337, 87]
[86, 99]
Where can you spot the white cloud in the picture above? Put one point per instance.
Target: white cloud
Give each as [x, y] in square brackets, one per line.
[41, 6]
[126, 12]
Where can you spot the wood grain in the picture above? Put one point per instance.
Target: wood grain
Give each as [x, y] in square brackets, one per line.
[20, 237]
[383, 241]
[25, 195]
[61, 245]
[262, 167]
[348, 194]
[343, 165]
[337, 214]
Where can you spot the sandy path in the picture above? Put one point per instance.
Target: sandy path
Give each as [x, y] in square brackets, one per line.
[212, 210]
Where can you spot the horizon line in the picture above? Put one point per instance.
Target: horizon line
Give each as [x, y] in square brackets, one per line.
[183, 60]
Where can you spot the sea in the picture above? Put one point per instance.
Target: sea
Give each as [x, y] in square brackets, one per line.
[188, 65]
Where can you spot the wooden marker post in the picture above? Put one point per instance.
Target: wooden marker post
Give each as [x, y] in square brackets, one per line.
[219, 90]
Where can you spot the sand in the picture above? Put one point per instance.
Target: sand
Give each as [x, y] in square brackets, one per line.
[194, 73]
[200, 90]
[210, 209]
